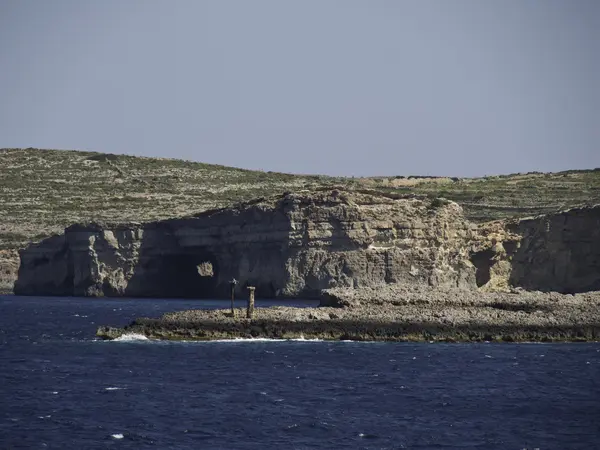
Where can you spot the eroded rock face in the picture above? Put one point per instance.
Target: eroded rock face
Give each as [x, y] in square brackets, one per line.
[9, 266]
[290, 246]
[559, 252]
[296, 245]
[555, 252]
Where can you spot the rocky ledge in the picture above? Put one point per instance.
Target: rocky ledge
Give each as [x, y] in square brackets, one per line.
[393, 313]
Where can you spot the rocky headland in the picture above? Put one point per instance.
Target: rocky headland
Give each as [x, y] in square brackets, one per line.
[392, 313]
[391, 267]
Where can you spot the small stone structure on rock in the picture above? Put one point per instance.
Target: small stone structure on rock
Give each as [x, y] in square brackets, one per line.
[250, 309]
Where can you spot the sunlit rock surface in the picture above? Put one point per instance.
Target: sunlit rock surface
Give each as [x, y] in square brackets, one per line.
[296, 245]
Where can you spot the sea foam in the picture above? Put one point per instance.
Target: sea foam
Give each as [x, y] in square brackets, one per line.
[250, 340]
[132, 337]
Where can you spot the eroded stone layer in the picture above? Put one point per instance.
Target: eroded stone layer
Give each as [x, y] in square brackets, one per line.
[559, 252]
[296, 245]
[555, 252]
[290, 246]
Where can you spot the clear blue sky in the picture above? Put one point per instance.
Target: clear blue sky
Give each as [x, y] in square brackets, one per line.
[343, 87]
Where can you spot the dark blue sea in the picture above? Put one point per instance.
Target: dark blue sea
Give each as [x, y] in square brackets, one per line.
[61, 388]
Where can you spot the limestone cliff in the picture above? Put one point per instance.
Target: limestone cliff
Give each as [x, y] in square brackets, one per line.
[555, 252]
[294, 245]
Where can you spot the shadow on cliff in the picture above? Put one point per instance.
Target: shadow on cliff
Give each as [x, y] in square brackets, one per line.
[165, 269]
[554, 253]
[559, 252]
[45, 267]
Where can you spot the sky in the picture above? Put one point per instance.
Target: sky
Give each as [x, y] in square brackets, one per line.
[338, 87]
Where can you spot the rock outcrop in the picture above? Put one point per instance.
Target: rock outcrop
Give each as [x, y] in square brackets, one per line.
[392, 313]
[296, 245]
[554, 252]
[9, 266]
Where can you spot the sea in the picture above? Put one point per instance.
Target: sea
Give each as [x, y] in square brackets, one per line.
[62, 388]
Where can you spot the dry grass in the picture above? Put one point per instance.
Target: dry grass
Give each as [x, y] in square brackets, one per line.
[42, 191]
[504, 196]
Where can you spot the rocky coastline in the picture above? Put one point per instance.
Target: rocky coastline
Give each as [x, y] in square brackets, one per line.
[385, 267]
[392, 313]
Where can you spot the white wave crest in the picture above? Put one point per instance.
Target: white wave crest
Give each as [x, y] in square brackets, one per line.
[132, 337]
[250, 340]
[302, 339]
[241, 340]
[117, 436]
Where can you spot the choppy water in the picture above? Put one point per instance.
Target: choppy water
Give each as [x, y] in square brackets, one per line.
[61, 388]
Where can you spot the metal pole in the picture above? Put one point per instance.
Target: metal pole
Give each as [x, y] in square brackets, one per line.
[233, 283]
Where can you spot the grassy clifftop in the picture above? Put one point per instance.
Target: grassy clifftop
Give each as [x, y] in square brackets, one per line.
[504, 196]
[42, 191]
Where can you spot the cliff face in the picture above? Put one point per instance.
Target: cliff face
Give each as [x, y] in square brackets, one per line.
[299, 244]
[559, 252]
[291, 246]
[555, 252]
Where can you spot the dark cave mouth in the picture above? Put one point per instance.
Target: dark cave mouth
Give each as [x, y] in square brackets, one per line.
[191, 275]
[483, 261]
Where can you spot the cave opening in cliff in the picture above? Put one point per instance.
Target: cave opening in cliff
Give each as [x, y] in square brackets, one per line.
[192, 275]
[483, 261]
